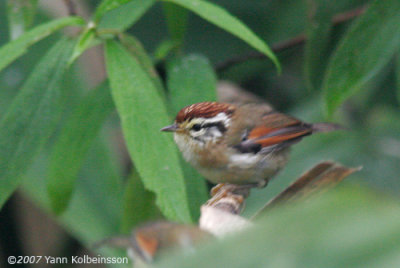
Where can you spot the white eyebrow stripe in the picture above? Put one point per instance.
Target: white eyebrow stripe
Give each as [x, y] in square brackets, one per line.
[221, 117]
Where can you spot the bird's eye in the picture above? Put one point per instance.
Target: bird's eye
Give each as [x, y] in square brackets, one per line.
[196, 127]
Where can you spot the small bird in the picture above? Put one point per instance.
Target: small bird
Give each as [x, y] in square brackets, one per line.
[238, 144]
[152, 239]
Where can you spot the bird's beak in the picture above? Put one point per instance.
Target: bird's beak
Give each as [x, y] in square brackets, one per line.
[171, 128]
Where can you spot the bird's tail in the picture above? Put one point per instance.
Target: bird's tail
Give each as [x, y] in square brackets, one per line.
[326, 127]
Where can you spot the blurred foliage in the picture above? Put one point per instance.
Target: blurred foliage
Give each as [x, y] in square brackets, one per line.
[59, 138]
[20, 16]
[349, 227]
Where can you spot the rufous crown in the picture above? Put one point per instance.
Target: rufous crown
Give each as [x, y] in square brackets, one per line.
[204, 110]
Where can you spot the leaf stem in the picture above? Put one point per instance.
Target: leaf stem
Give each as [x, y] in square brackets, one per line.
[70, 7]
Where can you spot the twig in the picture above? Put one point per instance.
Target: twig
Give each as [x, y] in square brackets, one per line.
[70, 7]
[348, 15]
[280, 46]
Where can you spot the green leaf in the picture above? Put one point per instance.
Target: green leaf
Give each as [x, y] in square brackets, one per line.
[95, 209]
[139, 204]
[366, 48]
[195, 190]
[137, 50]
[125, 16]
[319, 25]
[73, 144]
[20, 15]
[107, 5]
[176, 21]
[223, 19]
[164, 49]
[191, 79]
[14, 49]
[349, 227]
[397, 73]
[32, 117]
[143, 113]
[87, 39]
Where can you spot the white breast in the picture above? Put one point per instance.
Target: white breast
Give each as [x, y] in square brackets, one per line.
[187, 146]
[244, 161]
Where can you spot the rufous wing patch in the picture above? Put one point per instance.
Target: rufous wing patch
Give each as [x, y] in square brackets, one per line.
[267, 136]
[147, 244]
[258, 132]
[268, 141]
[277, 120]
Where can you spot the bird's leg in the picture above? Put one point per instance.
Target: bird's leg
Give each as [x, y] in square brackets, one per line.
[223, 189]
[242, 189]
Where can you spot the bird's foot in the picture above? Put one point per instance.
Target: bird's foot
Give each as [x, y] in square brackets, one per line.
[217, 188]
[226, 197]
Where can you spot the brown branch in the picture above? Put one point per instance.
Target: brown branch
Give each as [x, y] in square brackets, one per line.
[280, 46]
[71, 9]
[348, 15]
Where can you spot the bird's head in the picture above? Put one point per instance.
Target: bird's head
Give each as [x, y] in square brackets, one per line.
[201, 122]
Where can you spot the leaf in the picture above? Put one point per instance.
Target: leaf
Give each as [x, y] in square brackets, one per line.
[87, 39]
[101, 187]
[349, 227]
[137, 50]
[95, 209]
[20, 15]
[397, 74]
[365, 49]
[191, 79]
[14, 49]
[125, 16]
[130, 219]
[318, 30]
[143, 113]
[73, 144]
[321, 177]
[107, 5]
[176, 18]
[221, 18]
[319, 43]
[32, 117]
[139, 204]
[164, 49]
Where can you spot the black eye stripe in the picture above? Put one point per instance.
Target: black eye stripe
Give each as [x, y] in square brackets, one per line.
[220, 125]
[196, 127]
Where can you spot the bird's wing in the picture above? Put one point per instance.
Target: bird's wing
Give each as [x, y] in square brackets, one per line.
[276, 130]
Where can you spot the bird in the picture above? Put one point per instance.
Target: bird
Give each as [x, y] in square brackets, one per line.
[152, 239]
[235, 144]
